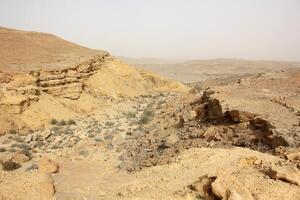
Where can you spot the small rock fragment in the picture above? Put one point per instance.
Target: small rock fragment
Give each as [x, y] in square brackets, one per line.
[171, 140]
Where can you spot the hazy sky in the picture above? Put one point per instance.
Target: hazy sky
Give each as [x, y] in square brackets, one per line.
[188, 29]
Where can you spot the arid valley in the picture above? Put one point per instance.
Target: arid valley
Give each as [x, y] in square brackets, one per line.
[78, 123]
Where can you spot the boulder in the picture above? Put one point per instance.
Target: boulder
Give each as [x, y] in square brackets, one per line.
[214, 109]
[227, 186]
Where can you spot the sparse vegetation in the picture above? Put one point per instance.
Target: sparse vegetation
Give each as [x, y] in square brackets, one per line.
[2, 149]
[146, 116]
[18, 139]
[53, 121]
[109, 123]
[71, 122]
[62, 123]
[10, 165]
[39, 144]
[69, 131]
[130, 115]
[56, 129]
[24, 146]
[13, 131]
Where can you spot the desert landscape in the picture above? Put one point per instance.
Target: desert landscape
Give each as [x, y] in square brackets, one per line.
[78, 123]
[149, 100]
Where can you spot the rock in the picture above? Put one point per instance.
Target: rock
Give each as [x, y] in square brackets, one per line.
[188, 196]
[47, 166]
[47, 134]
[28, 138]
[171, 140]
[233, 195]
[240, 116]
[210, 133]
[214, 109]
[46, 178]
[20, 158]
[293, 156]
[26, 167]
[176, 123]
[203, 186]
[192, 115]
[227, 186]
[179, 123]
[287, 174]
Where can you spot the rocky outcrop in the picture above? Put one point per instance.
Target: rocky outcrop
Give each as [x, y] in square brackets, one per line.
[19, 90]
[69, 82]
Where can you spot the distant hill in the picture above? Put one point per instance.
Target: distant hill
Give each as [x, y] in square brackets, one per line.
[26, 50]
[199, 70]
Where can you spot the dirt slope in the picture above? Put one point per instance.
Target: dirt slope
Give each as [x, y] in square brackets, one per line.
[25, 50]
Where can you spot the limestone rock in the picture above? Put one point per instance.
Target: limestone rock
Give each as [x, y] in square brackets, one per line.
[171, 140]
[47, 166]
[20, 158]
[290, 175]
[203, 186]
[226, 186]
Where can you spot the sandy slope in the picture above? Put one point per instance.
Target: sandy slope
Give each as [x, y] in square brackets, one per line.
[24, 50]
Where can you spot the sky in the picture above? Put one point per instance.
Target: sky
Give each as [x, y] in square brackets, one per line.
[170, 29]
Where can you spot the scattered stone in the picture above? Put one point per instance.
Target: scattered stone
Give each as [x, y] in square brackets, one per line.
[20, 158]
[47, 134]
[108, 137]
[2, 149]
[28, 138]
[192, 115]
[171, 140]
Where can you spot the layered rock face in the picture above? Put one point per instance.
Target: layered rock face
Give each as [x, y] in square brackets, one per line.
[19, 90]
[68, 83]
